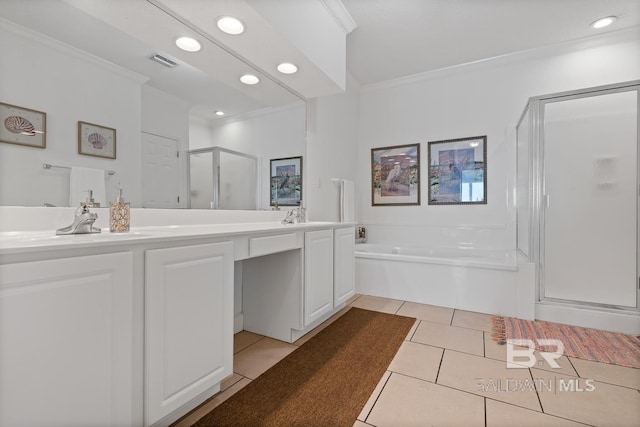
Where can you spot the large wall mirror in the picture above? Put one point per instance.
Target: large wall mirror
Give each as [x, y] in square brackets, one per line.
[90, 61]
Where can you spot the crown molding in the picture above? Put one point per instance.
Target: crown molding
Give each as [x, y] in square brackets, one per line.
[340, 14]
[620, 36]
[216, 122]
[71, 51]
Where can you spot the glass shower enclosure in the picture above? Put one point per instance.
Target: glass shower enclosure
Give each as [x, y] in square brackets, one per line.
[220, 178]
[577, 196]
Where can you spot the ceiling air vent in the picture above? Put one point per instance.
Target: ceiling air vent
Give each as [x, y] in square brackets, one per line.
[164, 61]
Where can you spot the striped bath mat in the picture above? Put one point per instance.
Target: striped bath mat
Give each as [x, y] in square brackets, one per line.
[581, 343]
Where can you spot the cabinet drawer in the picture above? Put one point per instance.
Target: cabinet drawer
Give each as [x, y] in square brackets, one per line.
[259, 246]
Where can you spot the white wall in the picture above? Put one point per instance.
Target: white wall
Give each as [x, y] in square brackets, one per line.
[168, 116]
[69, 87]
[485, 98]
[266, 134]
[332, 150]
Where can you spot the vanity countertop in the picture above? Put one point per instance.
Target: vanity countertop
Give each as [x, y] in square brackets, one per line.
[15, 242]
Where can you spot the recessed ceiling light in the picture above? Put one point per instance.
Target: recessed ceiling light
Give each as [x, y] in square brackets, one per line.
[249, 79]
[230, 25]
[188, 44]
[219, 113]
[287, 68]
[603, 22]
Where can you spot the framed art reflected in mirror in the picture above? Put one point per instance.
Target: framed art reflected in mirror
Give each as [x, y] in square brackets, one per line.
[286, 181]
[96, 140]
[22, 126]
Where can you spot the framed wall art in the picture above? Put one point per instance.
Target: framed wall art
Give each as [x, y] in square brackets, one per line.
[458, 171]
[395, 175]
[96, 140]
[22, 126]
[286, 181]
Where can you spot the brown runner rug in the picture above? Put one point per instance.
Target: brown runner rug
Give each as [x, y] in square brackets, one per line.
[325, 382]
[581, 343]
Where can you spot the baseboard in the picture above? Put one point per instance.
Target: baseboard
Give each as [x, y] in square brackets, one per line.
[238, 323]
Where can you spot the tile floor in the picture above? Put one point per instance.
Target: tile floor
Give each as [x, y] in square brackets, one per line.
[449, 372]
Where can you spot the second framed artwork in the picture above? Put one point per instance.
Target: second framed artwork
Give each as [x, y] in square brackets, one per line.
[395, 175]
[458, 171]
[286, 181]
[96, 140]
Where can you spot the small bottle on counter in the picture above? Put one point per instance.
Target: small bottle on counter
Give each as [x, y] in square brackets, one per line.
[119, 215]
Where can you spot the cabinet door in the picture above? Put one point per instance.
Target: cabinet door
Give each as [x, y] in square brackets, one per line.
[318, 274]
[66, 342]
[189, 324]
[343, 265]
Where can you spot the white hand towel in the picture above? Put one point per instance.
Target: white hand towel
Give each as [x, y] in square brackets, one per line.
[83, 179]
[347, 201]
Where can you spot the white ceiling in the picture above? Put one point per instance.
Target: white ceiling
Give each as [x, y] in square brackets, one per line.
[393, 39]
[397, 38]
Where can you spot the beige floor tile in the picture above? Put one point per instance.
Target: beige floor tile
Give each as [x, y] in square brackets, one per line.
[493, 350]
[452, 337]
[229, 381]
[472, 320]
[374, 397]
[612, 374]
[254, 360]
[412, 330]
[488, 378]
[211, 404]
[408, 402]
[417, 360]
[500, 414]
[352, 299]
[605, 405]
[427, 312]
[384, 305]
[359, 423]
[244, 339]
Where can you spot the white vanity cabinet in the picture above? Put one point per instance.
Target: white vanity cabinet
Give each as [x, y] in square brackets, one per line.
[66, 341]
[318, 274]
[343, 265]
[188, 325]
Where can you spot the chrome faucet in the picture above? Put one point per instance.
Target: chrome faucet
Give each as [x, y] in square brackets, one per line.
[295, 215]
[82, 223]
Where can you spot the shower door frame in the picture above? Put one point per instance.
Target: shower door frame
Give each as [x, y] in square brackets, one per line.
[215, 165]
[537, 196]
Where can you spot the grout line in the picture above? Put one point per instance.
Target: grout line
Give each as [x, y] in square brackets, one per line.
[484, 344]
[440, 365]
[485, 412]
[536, 390]
[378, 396]
[574, 368]
[538, 412]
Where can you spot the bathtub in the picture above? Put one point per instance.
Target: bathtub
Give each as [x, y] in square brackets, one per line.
[482, 280]
[470, 257]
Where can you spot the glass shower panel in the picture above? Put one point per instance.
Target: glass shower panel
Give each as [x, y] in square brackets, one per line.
[523, 184]
[201, 180]
[590, 199]
[237, 181]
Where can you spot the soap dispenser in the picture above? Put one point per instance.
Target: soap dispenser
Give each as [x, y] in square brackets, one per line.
[90, 202]
[119, 215]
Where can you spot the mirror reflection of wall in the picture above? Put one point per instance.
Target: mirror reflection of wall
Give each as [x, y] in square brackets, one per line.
[73, 83]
